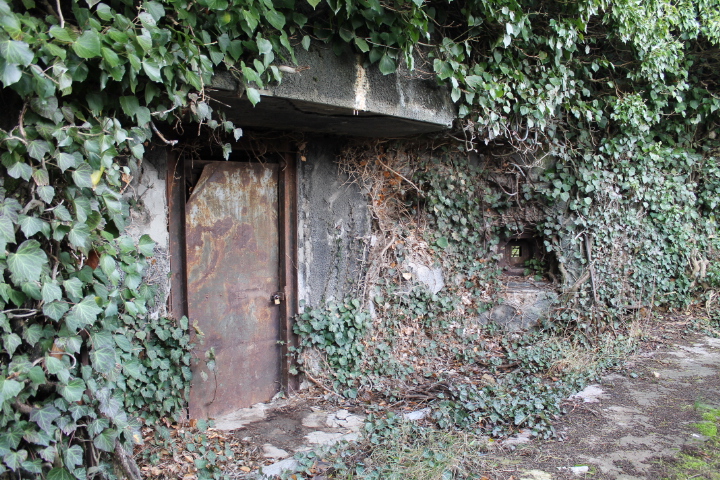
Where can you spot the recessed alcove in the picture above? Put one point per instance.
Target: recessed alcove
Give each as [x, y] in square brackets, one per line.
[517, 251]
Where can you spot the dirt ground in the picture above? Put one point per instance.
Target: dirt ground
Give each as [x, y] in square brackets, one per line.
[635, 424]
[629, 426]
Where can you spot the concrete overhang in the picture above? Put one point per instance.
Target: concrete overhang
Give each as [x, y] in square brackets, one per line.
[338, 95]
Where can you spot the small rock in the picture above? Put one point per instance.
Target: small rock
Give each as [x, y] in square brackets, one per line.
[270, 451]
[431, 277]
[580, 469]
[354, 422]
[274, 470]
[323, 438]
[341, 414]
[523, 436]
[536, 475]
[350, 437]
[240, 418]
[417, 414]
[329, 438]
[331, 421]
[591, 394]
[315, 419]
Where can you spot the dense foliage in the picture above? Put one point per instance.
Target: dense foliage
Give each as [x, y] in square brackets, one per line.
[623, 94]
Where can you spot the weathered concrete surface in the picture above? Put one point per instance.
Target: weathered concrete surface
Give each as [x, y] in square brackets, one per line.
[147, 194]
[287, 427]
[619, 429]
[338, 94]
[429, 276]
[242, 417]
[523, 304]
[333, 227]
[148, 190]
[622, 428]
[638, 442]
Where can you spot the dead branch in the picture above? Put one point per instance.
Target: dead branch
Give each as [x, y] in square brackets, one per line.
[566, 277]
[591, 267]
[576, 286]
[60, 14]
[127, 462]
[23, 407]
[399, 175]
[319, 384]
[172, 143]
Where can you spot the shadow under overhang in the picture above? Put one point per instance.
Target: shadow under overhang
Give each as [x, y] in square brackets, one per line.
[303, 116]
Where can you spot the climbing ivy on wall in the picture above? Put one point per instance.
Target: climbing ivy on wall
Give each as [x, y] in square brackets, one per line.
[86, 86]
[623, 94]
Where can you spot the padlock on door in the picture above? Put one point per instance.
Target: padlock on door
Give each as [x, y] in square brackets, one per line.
[278, 297]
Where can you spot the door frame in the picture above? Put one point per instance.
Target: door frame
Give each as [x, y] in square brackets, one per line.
[287, 245]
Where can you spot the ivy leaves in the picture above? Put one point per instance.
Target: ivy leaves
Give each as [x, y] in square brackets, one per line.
[88, 45]
[13, 55]
[82, 96]
[337, 329]
[26, 263]
[16, 53]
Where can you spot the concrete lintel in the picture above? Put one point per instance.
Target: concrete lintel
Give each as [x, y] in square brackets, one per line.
[337, 94]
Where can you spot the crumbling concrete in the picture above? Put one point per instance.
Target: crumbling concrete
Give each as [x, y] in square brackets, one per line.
[333, 227]
[431, 277]
[523, 305]
[147, 196]
[630, 425]
[286, 427]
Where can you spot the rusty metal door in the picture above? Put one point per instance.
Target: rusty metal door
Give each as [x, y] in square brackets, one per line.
[232, 274]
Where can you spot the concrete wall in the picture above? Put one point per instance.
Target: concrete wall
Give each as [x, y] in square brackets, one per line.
[148, 215]
[344, 81]
[334, 234]
[333, 223]
[333, 227]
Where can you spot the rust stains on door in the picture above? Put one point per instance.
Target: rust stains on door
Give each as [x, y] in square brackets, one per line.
[232, 275]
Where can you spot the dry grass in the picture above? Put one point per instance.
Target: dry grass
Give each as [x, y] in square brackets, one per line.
[410, 452]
